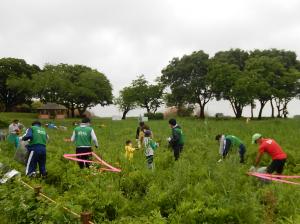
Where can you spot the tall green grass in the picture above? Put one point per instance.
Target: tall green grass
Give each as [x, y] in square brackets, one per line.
[195, 189]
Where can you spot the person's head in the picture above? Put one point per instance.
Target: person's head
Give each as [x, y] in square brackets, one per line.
[256, 138]
[145, 127]
[218, 137]
[85, 120]
[128, 143]
[172, 122]
[147, 133]
[15, 121]
[141, 124]
[36, 123]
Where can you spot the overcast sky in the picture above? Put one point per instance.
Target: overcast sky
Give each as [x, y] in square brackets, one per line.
[126, 38]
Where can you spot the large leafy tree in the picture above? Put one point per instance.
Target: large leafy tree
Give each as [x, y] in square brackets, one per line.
[265, 72]
[283, 83]
[91, 89]
[14, 86]
[148, 96]
[188, 82]
[126, 100]
[75, 86]
[231, 84]
[229, 79]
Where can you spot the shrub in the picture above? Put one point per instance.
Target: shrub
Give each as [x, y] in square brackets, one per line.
[185, 111]
[154, 116]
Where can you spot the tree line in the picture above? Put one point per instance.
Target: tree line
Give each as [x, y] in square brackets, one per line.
[241, 77]
[77, 87]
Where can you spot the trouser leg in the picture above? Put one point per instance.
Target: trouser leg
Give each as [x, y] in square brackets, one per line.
[31, 163]
[84, 157]
[176, 150]
[150, 162]
[242, 151]
[42, 163]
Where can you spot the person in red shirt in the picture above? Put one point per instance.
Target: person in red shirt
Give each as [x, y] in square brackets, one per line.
[271, 147]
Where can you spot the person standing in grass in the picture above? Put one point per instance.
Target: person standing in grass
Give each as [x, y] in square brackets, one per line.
[271, 147]
[14, 131]
[129, 150]
[140, 134]
[83, 135]
[177, 139]
[37, 137]
[150, 146]
[229, 141]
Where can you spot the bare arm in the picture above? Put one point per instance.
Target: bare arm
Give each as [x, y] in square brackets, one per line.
[258, 158]
[94, 138]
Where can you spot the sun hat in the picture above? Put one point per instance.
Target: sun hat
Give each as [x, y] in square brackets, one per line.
[255, 137]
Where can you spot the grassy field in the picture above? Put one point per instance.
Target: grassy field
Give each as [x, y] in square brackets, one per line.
[195, 189]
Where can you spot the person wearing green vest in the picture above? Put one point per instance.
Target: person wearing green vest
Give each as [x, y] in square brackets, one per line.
[227, 142]
[37, 137]
[177, 139]
[83, 135]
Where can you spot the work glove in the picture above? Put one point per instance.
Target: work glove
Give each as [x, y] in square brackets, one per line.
[169, 139]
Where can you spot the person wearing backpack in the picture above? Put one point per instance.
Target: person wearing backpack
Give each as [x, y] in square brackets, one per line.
[38, 138]
[83, 135]
[150, 146]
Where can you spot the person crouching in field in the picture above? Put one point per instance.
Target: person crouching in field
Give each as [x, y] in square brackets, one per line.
[83, 135]
[271, 147]
[37, 137]
[150, 146]
[129, 150]
[229, 141]
[177, 139]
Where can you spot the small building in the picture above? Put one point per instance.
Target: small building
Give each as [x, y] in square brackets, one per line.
[52, 111]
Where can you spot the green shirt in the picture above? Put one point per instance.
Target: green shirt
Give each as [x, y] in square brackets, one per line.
[235, 141]
[83, 136]
[39, 136]
[177, 136]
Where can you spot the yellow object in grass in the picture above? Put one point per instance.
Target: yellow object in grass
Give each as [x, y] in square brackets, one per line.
[129, 152]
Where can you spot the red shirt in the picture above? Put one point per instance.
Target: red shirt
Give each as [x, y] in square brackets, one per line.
[272, 148]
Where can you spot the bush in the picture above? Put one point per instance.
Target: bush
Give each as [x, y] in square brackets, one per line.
[154, 116]
[4, 124]
[185, 111]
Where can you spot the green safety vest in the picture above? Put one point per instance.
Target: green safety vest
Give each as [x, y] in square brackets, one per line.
[83, 136]
[179, 132]
[235, 141]
[39, 136]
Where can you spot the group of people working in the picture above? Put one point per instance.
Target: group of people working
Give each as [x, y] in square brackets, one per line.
[83, 136]
[266, 145]
[144, 139]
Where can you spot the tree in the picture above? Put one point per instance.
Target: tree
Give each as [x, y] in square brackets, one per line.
[148, 96]
[13, 92]
[126, 100]
[286, 88]
[230, 81]
[284, 66]
[92, 88]
[264, 71]
[187, 79]
[231, 84]
[75, 86]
